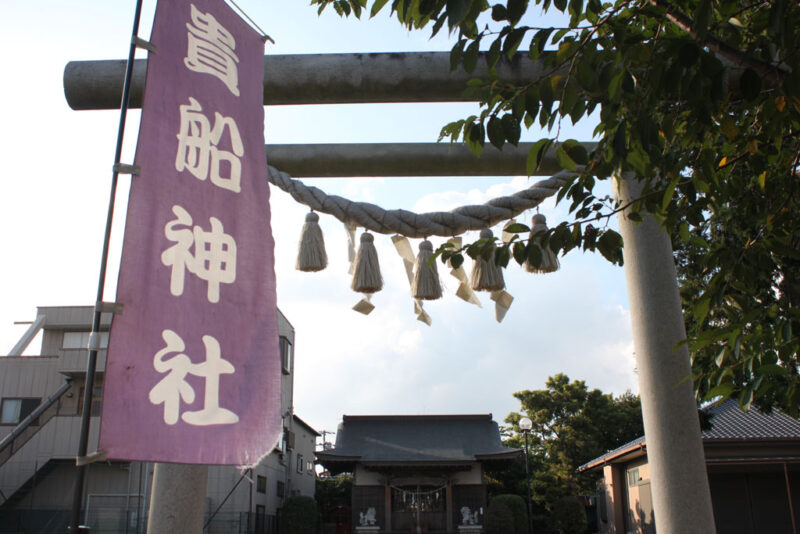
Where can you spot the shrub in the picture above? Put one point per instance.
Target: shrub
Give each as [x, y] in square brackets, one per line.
[298, 516]
[516, 504]
[568, 516]
[498, 519]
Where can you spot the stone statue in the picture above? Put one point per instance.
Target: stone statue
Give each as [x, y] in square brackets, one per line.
[466, 516]
[367, 519]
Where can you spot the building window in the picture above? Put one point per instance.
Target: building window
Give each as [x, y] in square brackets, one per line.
[300, 464]
[15, 410]
[80, 340]
[287, 354]
[310, 466]
[261, 484]
[97, 400]
[279, 489]
[633, 478]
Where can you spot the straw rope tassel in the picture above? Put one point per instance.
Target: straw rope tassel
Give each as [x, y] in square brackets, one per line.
[426, 285]
[311, 256]
[367, 276]
[486, 274]
[549, 259]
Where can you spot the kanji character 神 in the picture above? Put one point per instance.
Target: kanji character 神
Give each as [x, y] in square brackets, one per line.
[212, 259]
[173, 388]
[211, 49]
[197, 147]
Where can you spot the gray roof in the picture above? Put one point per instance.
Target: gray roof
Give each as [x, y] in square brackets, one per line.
[730, 422]
[417, 438]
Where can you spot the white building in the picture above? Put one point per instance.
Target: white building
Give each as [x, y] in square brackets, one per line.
[40, 414]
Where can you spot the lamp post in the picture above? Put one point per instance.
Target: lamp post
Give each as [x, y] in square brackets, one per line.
[525, 425]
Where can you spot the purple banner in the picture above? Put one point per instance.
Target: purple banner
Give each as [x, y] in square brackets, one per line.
[193, 371]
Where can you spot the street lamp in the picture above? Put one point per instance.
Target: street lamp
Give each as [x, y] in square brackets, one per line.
[525, 425]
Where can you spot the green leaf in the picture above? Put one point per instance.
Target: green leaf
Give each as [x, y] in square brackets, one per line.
[513, 41]
[615, 84]
[516, 8]
[610, 246]
[376, 7]
[534, 254]
[499, 12]
[474, 135]
[456, 53]
[520, 254]
[720, 359]
[493, 55]
[532, 102]
[722, 390]
[746, 399]
[456, 11]
[536, 155]
[516, 228]
[471, 55]
[576, 151]
[494, 130]
[564, 160]
[701, 307]
[511, 128]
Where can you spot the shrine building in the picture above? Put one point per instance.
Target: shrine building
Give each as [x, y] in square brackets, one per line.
[418, 473]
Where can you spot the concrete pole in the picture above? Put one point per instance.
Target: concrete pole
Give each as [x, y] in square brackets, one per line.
[178, 499]
[678, 479]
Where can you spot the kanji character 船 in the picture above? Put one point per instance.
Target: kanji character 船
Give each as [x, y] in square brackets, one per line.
[198, 151]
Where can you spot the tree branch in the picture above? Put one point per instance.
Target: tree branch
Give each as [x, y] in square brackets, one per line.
[720, 47]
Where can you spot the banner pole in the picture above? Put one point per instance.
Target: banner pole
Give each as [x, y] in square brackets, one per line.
[94, 340]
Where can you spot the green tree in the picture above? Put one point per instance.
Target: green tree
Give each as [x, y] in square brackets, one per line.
[332, 491]
[298, 515]
[516, 505]
[702, 99]
[571, 425]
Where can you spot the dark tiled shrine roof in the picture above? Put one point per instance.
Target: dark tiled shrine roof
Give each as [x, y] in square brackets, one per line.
[728, 423]
[417, 438]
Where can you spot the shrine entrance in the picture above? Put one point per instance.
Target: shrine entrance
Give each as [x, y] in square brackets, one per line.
[419, 509]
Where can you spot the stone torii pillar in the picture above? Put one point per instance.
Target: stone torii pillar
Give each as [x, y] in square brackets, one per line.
[678, 478]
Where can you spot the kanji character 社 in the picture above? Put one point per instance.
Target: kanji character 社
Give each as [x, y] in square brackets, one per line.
[173, 388]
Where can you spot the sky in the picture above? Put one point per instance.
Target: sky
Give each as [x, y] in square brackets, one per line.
[54, 194]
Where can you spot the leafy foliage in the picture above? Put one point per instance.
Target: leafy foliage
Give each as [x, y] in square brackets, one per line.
[516, 505]
[571, 425]
[702, 99]
[499, 519]
[332, 491]
[569, 516]
[298, 515]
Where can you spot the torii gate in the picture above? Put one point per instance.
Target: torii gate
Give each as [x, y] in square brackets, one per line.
[681, 497]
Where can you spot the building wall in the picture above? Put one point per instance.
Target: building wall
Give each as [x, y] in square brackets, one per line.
[748, 498]
[124, 485]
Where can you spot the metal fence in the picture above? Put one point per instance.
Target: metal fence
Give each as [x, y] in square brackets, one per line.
[108, 520]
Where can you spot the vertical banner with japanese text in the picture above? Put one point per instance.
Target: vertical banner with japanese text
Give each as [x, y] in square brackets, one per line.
[193, 370]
